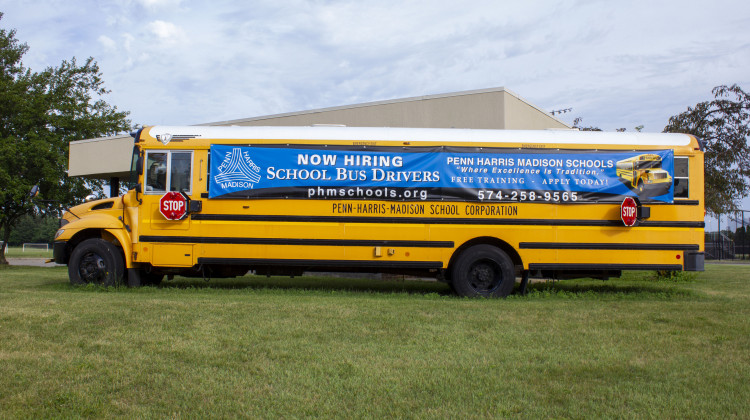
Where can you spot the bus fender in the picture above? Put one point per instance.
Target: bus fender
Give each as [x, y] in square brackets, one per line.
[488, 240]
[123, 238]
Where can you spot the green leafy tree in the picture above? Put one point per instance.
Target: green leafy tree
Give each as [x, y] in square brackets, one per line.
[40, 113]
[34, 229]
[723, 125]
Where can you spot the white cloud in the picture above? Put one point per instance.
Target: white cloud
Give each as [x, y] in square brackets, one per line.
[616, 64]
[159, 4]
[107, 42]
[165, 31]
[127, 41]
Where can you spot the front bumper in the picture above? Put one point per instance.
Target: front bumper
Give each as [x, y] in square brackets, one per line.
[60, 252]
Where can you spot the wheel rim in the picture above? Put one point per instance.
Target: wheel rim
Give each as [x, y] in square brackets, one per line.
[92, 268]
[485, 276]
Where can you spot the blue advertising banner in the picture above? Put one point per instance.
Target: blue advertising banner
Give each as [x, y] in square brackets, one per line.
[440, 173]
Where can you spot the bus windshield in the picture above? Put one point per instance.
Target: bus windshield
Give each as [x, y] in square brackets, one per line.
[646, 164]
[134, 163]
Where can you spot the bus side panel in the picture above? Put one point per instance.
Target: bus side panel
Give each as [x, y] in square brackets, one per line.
[382, 231]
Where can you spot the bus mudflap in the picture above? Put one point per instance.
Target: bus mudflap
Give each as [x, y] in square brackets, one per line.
[694, 261]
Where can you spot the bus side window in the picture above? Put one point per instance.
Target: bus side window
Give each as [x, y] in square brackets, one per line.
[181, 171]
[681, 177]
[208, 170]
[156, 172]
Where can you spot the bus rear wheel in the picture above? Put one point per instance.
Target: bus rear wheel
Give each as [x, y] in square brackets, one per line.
[96, 261]
[483, 271]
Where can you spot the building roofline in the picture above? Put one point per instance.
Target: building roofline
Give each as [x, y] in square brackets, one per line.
[499, 89]
[116, 136]
[536, 107]
[385, 102]
[417, 135]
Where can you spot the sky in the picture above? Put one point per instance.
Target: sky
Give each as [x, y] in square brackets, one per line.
[616, 64]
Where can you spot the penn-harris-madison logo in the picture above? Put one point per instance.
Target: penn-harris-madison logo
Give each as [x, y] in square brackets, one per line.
[237, 171]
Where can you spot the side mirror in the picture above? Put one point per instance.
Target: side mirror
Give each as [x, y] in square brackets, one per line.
[138, 188]
[139, 165]
[34, 191]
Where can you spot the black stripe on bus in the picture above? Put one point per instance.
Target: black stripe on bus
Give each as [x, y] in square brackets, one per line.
[595, 246]
[434, 221]
[322, 263]
[605, 267]
[675, 202]
[296, 241]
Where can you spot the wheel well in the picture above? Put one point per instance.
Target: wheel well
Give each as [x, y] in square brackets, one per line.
[487, 240]
[88, 234]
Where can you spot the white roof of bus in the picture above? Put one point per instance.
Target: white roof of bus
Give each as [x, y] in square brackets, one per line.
[447, 135]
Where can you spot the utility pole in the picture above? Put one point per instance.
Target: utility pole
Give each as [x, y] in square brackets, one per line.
[744, 234]
[721, 244]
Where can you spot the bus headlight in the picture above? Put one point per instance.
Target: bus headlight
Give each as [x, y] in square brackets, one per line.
[59, 232]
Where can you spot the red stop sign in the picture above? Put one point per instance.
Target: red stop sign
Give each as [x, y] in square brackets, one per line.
[629, 211]
[173, 205]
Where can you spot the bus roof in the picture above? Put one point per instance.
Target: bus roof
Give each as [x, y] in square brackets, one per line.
[444, 135]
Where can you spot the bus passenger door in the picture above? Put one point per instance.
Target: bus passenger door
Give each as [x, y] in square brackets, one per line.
[165, 171]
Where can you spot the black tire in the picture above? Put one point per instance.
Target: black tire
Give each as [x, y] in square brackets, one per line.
[640, 187]
[483, 271]
[96, 261]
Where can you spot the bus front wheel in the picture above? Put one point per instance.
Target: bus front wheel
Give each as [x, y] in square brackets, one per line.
[483, 271]
[96, 261]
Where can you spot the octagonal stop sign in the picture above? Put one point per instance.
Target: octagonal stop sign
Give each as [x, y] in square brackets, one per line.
[173, 205]
[629, 211]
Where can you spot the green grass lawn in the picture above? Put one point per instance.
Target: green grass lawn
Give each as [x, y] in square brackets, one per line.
[312, 347]
[18, 252]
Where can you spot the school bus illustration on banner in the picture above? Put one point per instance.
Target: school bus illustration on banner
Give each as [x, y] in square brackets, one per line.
[645, 174]
[474, 208]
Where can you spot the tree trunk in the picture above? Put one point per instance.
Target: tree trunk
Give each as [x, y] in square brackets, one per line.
[6, 236]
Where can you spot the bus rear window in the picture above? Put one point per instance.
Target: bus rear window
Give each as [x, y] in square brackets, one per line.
[681, 178]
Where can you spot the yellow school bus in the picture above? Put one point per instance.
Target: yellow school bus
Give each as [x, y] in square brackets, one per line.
[644, 173]
[474, 208]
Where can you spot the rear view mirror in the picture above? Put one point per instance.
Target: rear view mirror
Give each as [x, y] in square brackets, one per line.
[139, 165]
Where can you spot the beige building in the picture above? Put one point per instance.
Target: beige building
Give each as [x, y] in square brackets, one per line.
[495, 108]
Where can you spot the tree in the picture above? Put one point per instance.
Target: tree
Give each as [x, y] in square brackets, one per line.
[36, 229]
[723, 125]
[40, 113]
[577, 124]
